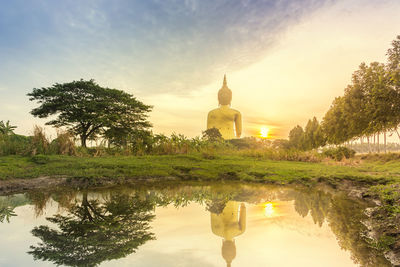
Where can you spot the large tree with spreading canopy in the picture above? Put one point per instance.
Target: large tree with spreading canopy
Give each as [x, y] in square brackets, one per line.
[88, 109]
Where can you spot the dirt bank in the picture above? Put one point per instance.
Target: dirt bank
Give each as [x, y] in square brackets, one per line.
[14, 186]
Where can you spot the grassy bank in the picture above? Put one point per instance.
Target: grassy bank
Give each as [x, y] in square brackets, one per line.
[381, 174]
[195, 166]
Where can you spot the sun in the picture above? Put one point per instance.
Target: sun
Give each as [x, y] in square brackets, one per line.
[269, 209]
[264, 130]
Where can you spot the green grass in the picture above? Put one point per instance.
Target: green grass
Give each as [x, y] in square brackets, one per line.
[195, 166]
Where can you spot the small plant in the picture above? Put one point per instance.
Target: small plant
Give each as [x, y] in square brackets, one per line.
[40, 159]
[212, 134]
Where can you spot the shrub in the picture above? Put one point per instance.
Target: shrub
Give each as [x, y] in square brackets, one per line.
[40, 159]
[64, 144]
[339, 153]
[14, 144]
[39, 142]
[212, 134]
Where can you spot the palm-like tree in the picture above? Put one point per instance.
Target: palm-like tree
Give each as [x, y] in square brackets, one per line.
[6, 128]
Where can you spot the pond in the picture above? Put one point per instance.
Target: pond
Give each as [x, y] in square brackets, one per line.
[194, 224]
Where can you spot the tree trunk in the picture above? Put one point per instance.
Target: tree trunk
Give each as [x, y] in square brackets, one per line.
[379, 150]
[369, 145]
[85, 205]
[384, 140]
[398, 133]
[83, 140]
[374, 142]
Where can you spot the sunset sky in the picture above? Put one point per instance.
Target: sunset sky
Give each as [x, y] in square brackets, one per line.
[285, 60]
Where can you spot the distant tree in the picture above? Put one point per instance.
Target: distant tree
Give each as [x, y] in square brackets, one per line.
[381, 98]
[296, 137]
[281, 143]
[365, 109]
[335, 123]
[313, 135]
[370, 105]
[6, 128]
[141, 141]
[393, 69]
[212, 134]
[355, 104]
[393, 64]
[88, 109]
[309, 135]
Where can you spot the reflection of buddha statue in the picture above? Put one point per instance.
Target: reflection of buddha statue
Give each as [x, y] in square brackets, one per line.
[227, 120]
[231, 222]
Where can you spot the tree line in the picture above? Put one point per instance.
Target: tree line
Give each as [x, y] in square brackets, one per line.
[369, 108]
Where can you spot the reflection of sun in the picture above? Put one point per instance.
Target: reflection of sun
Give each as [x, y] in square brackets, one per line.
[268, 209]
[264, 132]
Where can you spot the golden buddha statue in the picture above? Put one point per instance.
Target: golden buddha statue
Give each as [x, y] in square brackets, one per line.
[228, 224]
[227, 120]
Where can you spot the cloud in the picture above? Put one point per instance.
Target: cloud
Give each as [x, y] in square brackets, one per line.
[298, 79]
[152, 46]
[286, 60]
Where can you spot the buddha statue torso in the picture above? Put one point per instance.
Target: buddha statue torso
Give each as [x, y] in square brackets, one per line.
[224, 119]
[227, 120]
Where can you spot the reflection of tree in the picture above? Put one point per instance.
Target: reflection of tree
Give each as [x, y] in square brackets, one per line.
[93, 232]
[345, 220]
[319, 206]
[6, 213]
[8, 204]
[301, 204]
[39, 199]
[315, 201]
[216, 206]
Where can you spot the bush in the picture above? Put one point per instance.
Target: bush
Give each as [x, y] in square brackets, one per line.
[64, 144]
[39, 142]
[40, 159]
[14, 144]
[339, 153]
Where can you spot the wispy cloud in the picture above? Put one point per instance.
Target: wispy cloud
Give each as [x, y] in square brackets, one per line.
[153, 46]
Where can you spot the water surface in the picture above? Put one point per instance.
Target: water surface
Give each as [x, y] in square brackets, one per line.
[185, 225]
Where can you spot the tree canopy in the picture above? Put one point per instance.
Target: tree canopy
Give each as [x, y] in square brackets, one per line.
[89, 110]
[370, 106]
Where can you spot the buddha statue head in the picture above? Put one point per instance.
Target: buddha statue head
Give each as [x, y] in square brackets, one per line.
[224, 94]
